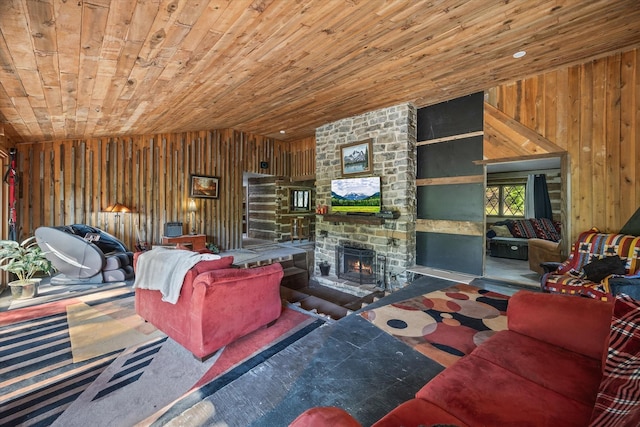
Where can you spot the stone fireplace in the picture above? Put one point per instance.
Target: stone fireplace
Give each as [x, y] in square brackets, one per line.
[356, 264]
[390, 241]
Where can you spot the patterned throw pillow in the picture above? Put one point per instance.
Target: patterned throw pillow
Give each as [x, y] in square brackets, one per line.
[618, 401]
[541, 228]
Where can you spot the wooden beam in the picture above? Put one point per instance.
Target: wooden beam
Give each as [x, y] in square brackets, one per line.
[466, 228]
[471, 179]
[515, 132]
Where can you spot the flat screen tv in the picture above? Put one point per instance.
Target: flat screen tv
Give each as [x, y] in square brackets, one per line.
[356, 195]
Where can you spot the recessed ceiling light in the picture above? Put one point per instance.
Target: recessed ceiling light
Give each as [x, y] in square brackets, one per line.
[283, 132]
[519, 54]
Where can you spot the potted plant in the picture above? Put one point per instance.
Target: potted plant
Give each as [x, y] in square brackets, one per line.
[213, 248]
[24, 260]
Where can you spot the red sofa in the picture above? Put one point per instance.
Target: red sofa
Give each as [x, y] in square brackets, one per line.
[547, 369]
[217, 305]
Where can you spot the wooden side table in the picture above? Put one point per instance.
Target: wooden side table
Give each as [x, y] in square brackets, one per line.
[195, 241]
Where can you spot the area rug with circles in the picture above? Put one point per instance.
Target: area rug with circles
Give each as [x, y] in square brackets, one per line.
[444, 325]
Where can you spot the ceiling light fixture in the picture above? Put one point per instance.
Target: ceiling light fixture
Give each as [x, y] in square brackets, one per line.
[519, 54]
[283, 132]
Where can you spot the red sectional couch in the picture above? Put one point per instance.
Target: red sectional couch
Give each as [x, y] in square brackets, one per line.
[217, 305]
[545, 370]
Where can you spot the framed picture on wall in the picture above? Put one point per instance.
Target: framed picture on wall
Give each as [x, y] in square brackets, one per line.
[357, 158]
[204, 187]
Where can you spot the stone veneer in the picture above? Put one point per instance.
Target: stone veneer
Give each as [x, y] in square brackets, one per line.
[393, 131]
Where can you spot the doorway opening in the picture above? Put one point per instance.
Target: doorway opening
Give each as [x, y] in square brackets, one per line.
[510, 178]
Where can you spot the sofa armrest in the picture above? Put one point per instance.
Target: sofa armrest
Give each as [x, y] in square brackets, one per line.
[550, 267]
[621, 285]
[541, 251]
[574, 323]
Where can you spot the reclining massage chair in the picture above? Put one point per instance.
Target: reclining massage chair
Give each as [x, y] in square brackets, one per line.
[84, 255]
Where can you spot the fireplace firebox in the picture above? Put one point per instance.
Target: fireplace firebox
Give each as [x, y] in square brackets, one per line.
[356, 264]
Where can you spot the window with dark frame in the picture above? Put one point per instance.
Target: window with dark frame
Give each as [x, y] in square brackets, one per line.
[300, 200]
[505, 200]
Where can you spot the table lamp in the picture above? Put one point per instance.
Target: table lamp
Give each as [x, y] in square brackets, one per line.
[117, 209]
[192, 208]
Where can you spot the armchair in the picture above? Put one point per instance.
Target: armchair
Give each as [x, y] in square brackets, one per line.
[543, 251]
[217, 304]
[600, 265]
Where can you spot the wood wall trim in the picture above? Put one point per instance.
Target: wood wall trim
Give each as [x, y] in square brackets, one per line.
[518, 158]
[451, 138]
[506, 131]
[467, 228]
[470, 179]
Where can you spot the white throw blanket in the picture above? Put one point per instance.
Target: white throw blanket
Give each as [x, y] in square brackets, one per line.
[163, 269]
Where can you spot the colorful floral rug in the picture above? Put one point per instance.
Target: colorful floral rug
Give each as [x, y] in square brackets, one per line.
[444, 325]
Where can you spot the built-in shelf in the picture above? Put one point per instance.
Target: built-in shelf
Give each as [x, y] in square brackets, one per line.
[353, 219]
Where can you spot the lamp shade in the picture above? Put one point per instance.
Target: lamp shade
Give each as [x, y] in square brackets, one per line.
[191, 207]
[117, 208]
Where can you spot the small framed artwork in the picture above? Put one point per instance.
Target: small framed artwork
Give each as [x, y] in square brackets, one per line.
[204, 187]
[357, 158]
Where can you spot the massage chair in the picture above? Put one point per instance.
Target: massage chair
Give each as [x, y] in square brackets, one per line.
[84, 255]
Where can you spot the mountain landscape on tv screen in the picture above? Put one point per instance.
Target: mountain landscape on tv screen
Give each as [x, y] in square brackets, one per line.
[355, 196]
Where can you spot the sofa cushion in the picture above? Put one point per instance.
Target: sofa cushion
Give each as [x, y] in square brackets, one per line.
[501, 231]
[541, 228]
[325, 416]
[418, 412]
[214, 264]
[618, 401]
[603, 267]
[207, 265]
[479, 392]
[552, 318]
[571, 374]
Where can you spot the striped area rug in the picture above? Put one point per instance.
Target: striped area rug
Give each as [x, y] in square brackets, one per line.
[91, 360]
[38, 378]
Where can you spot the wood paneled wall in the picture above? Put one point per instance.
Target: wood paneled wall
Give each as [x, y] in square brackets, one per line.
[593, 112]
[66, 182]
[303, 159]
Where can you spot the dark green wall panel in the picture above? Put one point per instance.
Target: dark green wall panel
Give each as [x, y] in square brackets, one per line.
[450, 252]
[456, 202]
[453, 158]
[455, 117]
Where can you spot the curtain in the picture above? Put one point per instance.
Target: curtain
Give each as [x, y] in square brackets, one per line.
[529, 198]
[542, 203]
[537, 203]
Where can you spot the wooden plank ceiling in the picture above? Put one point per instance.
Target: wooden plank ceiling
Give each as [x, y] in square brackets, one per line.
[92, 68]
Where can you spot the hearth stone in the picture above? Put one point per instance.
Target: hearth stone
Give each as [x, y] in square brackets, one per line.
[332, 281]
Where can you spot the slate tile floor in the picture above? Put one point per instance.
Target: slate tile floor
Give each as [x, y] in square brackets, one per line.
[347, 363]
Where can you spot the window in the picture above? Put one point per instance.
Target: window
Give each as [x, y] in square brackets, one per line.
[505, 200]
[300, 200]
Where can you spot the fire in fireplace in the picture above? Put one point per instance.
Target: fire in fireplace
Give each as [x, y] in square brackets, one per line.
[356, 264]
